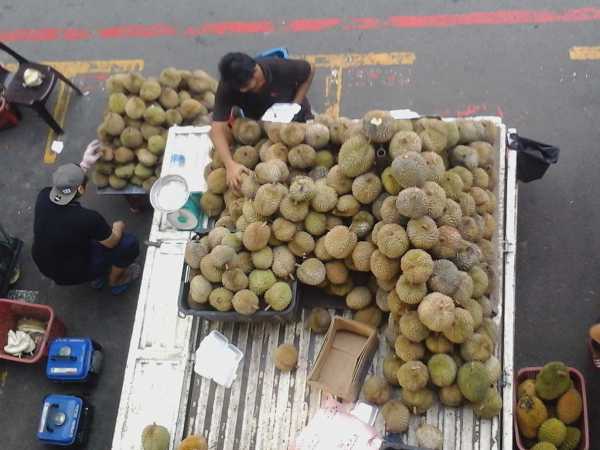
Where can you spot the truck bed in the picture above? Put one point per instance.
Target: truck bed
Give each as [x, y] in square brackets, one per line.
[265, 408]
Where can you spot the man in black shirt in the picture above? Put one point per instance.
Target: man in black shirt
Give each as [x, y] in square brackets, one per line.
[73, 244]
[254, 86]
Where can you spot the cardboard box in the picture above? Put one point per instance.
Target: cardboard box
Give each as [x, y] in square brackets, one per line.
[344, 358]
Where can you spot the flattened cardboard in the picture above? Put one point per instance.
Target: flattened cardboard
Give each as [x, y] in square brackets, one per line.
[344, 358]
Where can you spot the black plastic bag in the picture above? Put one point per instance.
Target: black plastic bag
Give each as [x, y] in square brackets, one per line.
[533, 157]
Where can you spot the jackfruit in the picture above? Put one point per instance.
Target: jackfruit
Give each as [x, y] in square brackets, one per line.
[412, 203]
[366, 188]
[359, 298]
[569, 406]
[376, 390]
[200, 289]
[362, 224]
[434, 136]
[403, 142]
[391, 364]
[462, 327]
[337, 272]
[256, 236]
[246, 131]
[418, 402]
[155, 437]
[572, 439]
[436, 311]
[302, 156]
[473, 381]
[292, 134]
[319, 320]
[412, 328]
[438, 343]
[407, 350]
[325, 198]
[211, 204]
[338, 181]
[452, 184]
[490, 406]
[340, 241]
[346, 206]
[396, 416]
[478, 347]
[451, 396]
[552, 381]
[553, 431]
[442, 370]
[279, 296]
[408, 292]
[356, 156]
[286, 357]
[361, 256]
[316, 135]
[116, 183]
[410, 170]
[150, 90]
[413, 376]
[301, 244]
[191, 108]
[311, 272]
[377, 126]
[220, 299]
[263, 259]
[371, 315]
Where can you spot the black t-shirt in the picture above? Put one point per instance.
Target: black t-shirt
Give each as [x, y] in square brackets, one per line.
[62, 237]
[282, 76]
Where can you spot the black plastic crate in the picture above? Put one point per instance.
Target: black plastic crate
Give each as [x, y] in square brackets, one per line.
[287, 315]
[10, 249]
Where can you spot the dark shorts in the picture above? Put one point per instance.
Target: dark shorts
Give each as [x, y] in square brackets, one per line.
[123, 255]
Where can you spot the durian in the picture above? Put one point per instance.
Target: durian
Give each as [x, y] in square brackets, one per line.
[286, 357]
[376, 390]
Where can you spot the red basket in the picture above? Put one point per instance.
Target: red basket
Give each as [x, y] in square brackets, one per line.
[578, 383]
[11, 311]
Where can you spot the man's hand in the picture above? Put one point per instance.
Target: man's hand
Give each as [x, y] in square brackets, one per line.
[234, 174]
[91, 154]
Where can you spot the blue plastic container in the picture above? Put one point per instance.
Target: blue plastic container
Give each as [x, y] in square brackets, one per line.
[64, 421]
[74, 360]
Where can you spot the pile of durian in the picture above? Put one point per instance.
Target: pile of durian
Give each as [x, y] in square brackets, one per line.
[139, 113]
[408, 237]
[550, 410]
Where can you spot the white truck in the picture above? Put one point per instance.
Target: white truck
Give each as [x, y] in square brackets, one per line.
[265, 409]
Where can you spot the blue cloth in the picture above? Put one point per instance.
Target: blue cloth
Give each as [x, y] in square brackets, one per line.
[123, 255]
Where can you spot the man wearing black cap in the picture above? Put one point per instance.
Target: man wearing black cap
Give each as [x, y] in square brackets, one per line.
[73, 244]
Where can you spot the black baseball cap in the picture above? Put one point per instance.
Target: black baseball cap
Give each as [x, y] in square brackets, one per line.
[65, 182]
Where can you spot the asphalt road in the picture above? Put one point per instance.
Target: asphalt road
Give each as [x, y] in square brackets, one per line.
[510, 58]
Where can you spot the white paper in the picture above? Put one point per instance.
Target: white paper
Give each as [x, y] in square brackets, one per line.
[404, 114]
[57, 147]
[281, 112]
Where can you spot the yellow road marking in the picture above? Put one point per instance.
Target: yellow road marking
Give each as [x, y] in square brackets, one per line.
[59, 114]
[347, 60]
[72, 69]
[584, 53]
[337, 62]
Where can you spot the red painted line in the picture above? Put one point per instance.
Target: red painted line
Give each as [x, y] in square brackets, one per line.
[137, 31]
[312, 25]
[221, 28]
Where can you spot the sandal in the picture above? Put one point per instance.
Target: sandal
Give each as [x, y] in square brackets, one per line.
[132, 273]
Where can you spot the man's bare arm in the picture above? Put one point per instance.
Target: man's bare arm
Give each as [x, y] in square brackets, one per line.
[116, 235]
[304, 87]
[220, 135]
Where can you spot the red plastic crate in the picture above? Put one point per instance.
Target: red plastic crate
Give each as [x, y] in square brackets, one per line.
[11, 311]
[8, 117]
[578, 383]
